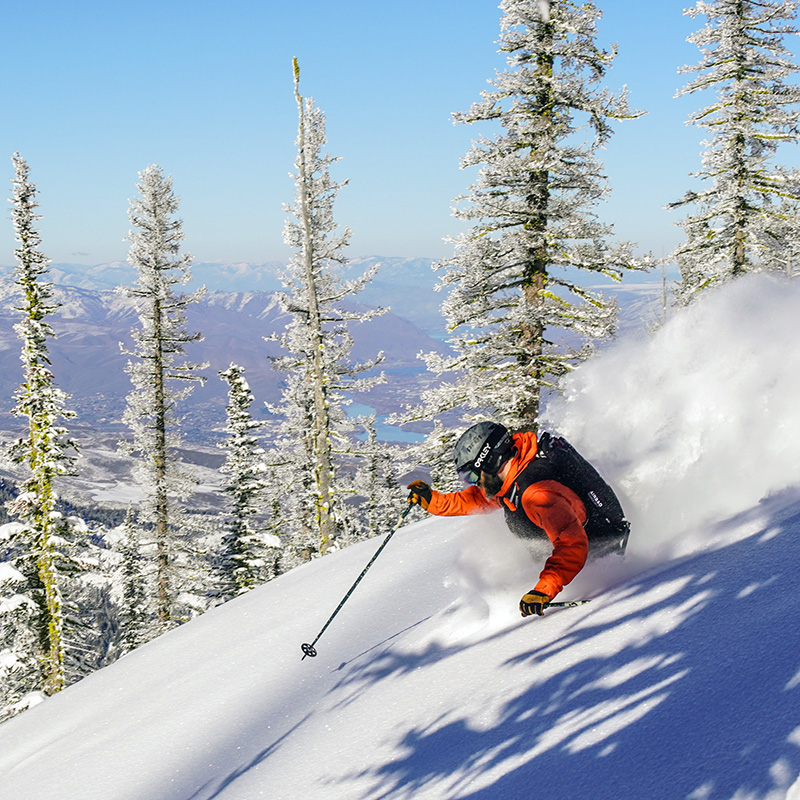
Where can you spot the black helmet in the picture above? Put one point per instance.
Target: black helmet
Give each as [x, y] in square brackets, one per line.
[482, 448]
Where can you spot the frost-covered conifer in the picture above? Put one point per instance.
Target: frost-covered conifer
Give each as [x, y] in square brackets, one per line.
[785, 258]
[436, 452]
[743, 218]
[136, 615]
[518, 305]
[247, 553]
[377, 481]
[318, 344]
[20, 666]
[32, 546]
[91, 630]
[158, 370]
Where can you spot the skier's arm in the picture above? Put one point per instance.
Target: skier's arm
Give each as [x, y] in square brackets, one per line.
[561, 514]
[471, 500]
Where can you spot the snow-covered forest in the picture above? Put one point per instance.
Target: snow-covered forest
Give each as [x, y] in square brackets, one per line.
[531, 301]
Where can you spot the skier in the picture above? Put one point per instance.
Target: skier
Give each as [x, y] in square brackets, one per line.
[499, 470]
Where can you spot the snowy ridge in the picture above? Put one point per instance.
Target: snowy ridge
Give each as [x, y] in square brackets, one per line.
[680, 679]
[405, 283]
[89, 365]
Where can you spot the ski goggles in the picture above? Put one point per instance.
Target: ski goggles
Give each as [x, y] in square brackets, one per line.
[469, 474]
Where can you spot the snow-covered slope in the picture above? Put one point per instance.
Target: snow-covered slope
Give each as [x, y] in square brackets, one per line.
[680, 679]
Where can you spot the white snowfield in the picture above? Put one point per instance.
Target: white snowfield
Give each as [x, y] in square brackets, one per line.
[680, 679]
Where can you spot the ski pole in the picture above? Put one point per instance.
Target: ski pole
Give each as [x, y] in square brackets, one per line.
[308, 649]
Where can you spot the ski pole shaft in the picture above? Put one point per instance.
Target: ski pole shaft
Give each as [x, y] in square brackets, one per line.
[308, 649]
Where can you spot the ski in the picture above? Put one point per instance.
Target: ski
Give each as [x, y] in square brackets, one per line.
[566, 604]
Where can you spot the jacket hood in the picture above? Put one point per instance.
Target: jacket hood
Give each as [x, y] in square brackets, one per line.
[527, 447]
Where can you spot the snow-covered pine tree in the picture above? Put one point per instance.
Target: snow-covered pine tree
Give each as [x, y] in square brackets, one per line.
[136, 610]
[520, 316]
[785, 259]
[436, 452]
[46, 450]
[377, 481]
[20, 666]
[248, 554]
[91, 617]
[158, 369]
[54, 624]
[739, 220]
[318, 344]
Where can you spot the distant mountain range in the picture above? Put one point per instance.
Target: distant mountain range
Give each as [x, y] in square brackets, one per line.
[238, 311]
[403, 284]
[90, 366]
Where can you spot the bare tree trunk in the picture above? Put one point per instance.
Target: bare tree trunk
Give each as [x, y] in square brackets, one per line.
[160, 458]
[537, 201]
[52, 644]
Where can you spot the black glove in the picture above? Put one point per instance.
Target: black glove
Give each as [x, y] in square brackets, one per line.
[533, 603]
[420, 493]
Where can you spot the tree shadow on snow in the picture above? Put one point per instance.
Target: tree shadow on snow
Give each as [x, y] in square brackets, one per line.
[705, 704]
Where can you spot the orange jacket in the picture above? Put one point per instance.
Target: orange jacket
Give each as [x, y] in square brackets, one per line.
[548, 504]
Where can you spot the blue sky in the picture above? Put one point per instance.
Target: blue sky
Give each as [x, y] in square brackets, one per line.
[93, 92]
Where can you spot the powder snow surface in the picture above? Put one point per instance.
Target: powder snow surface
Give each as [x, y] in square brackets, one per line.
[681, 678]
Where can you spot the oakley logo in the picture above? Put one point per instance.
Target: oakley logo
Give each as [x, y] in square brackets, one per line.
[487, 448]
